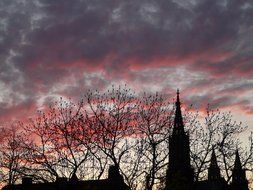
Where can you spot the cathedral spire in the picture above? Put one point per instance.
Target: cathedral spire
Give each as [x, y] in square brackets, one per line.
[238, 164]
[214, 170]
[179, 170]
[178, 93]
[178, 122]
[213, 159]
[239, 180]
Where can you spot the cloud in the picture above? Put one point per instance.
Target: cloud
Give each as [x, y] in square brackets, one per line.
[57, 48]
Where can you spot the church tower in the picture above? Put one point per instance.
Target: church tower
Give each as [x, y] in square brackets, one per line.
[239, 181]
[180, 175]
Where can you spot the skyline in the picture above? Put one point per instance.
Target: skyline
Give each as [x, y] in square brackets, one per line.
[52, 49]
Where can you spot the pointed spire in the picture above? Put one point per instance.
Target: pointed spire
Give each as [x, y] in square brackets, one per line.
[239, 180]
[214, 170]
[178, 99]
[178, 122]
[213, 159]
[238, 164]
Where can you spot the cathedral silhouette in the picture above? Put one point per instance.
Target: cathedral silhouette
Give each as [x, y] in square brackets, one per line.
[179, 176]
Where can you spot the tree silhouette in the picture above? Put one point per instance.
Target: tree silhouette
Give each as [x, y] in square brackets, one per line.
[110, 118]
[12, 162]
[154, 124]
[53, 149]
[221, 132]
[121, 128]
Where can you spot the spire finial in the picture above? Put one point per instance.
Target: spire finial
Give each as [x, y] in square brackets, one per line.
[178, 123]
[178, 98]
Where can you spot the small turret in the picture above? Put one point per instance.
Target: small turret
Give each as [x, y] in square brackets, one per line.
[238, 164]
[215, 180]
[74, 178]
[116, 179]
[114, 174]
[27, 181]
[239, 181]
[214, 170]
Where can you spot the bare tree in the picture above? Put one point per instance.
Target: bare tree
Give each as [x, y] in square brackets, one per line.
[54, 150]
[111, 120]
[155, 115]
[117, 127]
[220, 131]
[64, 129]
[12, 162]
[134, 163]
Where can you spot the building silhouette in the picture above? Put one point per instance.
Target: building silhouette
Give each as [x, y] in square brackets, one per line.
[113, 182]
[179, 169]
[180, 174]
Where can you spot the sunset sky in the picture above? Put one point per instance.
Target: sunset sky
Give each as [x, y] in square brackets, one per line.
[62, 48]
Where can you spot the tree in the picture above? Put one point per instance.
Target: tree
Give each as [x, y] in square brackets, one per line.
[54, 150]
[12, 162]
[154, 123]
[121, 128]
[221, 132]
[110, 118]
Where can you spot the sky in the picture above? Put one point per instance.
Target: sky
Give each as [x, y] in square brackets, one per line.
[62, 48]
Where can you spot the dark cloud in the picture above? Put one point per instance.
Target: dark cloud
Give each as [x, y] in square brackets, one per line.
[53, 47]
[90, 30]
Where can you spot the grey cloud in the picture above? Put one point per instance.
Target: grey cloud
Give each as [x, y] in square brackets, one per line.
[91, 30]
[49, 37]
